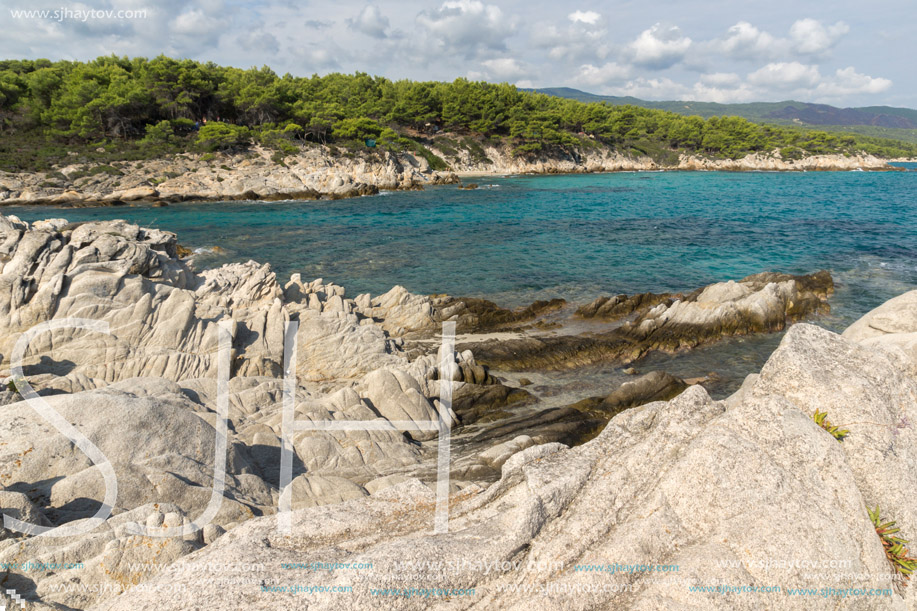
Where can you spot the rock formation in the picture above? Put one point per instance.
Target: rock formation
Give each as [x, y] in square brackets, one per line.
[690, 482]
[683, 499]
[763, 302]
[323, 173]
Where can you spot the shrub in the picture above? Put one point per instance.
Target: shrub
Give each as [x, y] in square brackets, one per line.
[182, 126]
[14, 385]
[282, 139]
[159, 133]
[220, 136]
[357, 129]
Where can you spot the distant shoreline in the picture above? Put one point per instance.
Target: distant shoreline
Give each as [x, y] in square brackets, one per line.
[317, 174]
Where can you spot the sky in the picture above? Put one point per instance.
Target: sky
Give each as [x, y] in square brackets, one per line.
[844, 52]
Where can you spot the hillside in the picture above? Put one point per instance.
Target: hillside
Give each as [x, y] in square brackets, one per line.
[53, 114]
[874, 121]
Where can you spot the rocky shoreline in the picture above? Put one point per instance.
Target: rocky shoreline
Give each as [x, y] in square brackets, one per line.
[320, 173]
[654, 471]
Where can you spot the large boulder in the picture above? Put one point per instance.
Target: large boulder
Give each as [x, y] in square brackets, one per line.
[891, 327]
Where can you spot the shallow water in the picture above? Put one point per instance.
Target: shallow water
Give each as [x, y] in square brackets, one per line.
[523, 238]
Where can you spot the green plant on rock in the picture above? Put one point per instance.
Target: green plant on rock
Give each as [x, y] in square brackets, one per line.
[15, 384]
[895, 548]
[821, 419]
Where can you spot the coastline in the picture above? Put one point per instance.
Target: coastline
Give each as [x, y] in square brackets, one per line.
[537, 474]
[318, 174]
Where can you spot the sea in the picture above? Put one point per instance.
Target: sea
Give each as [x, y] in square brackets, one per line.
[516, 239]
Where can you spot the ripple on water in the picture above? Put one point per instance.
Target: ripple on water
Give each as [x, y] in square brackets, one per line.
[578, 237]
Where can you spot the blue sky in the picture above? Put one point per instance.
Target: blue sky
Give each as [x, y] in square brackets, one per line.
[843, 52]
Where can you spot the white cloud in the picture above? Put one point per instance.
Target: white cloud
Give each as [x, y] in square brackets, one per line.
[848, 81]
[578, 42]
[785, 76]
[660, 47]
[504, 69]
[806, 38]
[465, 27]
[743, 40]
[811, 37]
[654, 89]
[587, 17]
[703, 92]
[606, 74]
[258, 40]
[787, 80]
[370, 21]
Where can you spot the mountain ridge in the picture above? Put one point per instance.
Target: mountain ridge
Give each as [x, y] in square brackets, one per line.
[885, 121]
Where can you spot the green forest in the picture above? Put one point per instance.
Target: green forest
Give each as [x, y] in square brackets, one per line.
[123, 108]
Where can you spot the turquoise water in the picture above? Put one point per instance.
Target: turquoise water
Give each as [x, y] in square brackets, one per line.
[575, 236]
[517, 239]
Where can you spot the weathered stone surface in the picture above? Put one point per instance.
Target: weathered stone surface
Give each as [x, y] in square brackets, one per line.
[759, 303]
[653, 386]
[161, 450]
[621, 306]
[397, 396]
[314, 490]
[727, 495]
[475, 402]
[690, 481]
[312, 174]
[892, 327]
[480, 315]
[75, 572]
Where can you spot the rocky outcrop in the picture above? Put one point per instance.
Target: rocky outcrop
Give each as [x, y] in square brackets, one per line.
[759, 303]
[622, 306]
[891, 327]
[685, 482]
[315, 173]
[773, 162]
[401, 313]
[653, 386]
[470, 156]
[319, 172]
[755, 495]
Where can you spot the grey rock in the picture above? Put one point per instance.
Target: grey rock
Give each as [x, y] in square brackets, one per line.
[718, 492]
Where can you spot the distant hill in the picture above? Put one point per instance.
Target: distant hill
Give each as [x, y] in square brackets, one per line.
[881, 121]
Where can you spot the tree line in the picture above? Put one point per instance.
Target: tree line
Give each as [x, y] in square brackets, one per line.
[185, 104]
